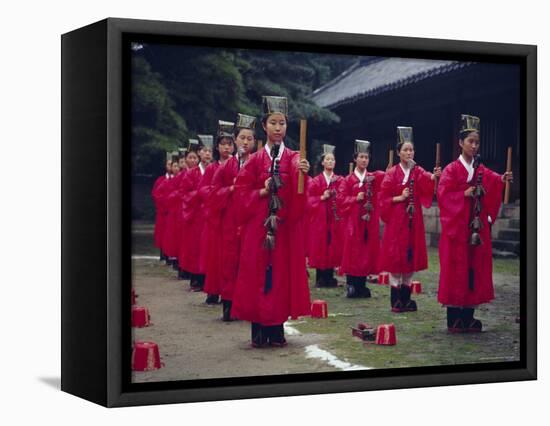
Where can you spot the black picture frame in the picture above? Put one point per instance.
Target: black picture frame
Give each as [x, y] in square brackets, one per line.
[95, 211]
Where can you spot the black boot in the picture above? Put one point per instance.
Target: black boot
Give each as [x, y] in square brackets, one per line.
[319, 278]
[162, 256]
[329, 278]
[226, 311]
[212, 299]
[361, 287]
[258, 336]
[408, 304]
[395, 299]
[454, 320]
[351, 291]
[175, 264]
[276, 336]
[471, 325]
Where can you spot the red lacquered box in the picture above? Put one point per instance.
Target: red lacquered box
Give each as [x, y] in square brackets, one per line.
[383, 278]
[319, 309]
[140, 316]
[145, 356]
[385, 334]
[416, 287]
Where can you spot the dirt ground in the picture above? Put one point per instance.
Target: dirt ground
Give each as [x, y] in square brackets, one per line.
[195, 344]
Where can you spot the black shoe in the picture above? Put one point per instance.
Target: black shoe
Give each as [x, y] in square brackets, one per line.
[351, 290]
[330, 281]
[258, 336]
[226, 311]
[395, 299]
[162, 256]
[212, 299]
[276, 335]
[471, 325]
[454, 320]
[175, 264]
[408, 304]
[319, 278]
[361, 288]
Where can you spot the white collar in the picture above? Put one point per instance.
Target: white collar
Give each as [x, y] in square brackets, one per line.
[469, 167]
[406, 171]
[281, 149]
[167, 175]
[360, 176]
[202, 168]
[328, 178]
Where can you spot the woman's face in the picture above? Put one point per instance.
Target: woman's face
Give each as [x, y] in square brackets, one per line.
[175, 168]
[245, 141]
[205, 155]
[362, 160]
[329, 162]
[275, 128]
[225, 148]
[470, 144]
[192, 160]
[182, 164]
[407, 152]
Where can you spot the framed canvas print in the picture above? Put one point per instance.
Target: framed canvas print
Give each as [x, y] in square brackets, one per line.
[254, 212]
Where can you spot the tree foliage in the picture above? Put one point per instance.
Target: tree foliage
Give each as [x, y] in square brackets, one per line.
[179, 91]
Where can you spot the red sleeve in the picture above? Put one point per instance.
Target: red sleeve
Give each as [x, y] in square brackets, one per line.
[451, 200]
[344, 196]
[425, 187]
[247, 188]
[190, 195]
[493, 185]
[221, 183]
[315, 190]
[298, 202]
[388, 190]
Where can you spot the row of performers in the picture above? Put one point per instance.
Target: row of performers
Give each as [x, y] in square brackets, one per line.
[234, 223]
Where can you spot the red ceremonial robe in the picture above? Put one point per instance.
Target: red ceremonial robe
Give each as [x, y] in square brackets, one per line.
[223, 255]
[325, 234]
[160, 211]
[360, 255]
[191, 222]
[212, 224]
[173, 218]
[289, 295]
[398, 236]
[456, 255]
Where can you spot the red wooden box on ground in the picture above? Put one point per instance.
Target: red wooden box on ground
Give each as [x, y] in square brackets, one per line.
[145, 356]
[319, 309]
[383, 278]
[385, 334]
[416, 287]
[140, 316]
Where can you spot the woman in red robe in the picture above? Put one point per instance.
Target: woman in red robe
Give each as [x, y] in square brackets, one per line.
[160, 211]
[357, 196]
[272, 283]
[191, 159]
[170, 236]
[466, 277]
[192, 216]
[406, 188]
[325, 231]
[211, 249]
[225, 202]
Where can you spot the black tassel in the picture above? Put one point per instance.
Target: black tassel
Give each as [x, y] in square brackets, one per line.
[366, 234]
[471, 279]
[269, 241]
[271, 223]
[275, 203]
[409, 254]
[268, 279]
[329, 237]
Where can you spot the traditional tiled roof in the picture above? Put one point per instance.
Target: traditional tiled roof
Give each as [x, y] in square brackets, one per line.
[373, 76]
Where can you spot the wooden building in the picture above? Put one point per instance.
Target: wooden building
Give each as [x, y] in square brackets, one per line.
[377, 94]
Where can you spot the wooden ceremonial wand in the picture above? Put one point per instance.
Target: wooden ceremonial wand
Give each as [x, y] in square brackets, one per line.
[303, 129]
[351, 168]
[390, 158]
[508, 169]
[437, 162]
